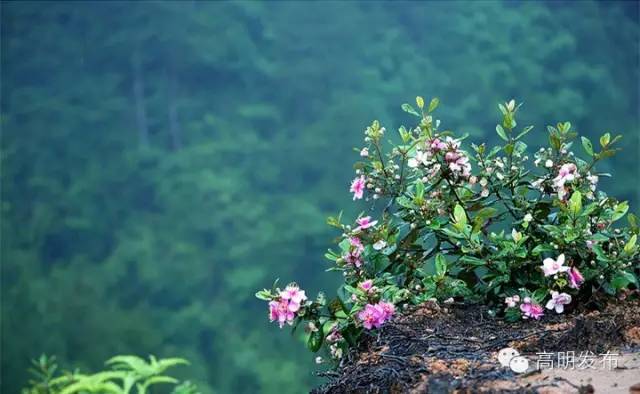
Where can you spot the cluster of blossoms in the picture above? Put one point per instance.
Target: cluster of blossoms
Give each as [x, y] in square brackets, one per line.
[375, 315]
[355, 251]
[335, 340]
[568, 173]
[454, 159]
[440, 230]
[552, 267]
[530, 309]
[288, 303]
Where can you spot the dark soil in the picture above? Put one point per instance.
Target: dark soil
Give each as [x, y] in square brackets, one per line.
[453, 348]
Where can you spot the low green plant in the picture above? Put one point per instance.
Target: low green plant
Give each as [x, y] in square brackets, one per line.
[125, 374]
[523, 233]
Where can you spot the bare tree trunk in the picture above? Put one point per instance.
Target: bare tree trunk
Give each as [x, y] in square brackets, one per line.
[174, 125]
[138, 95]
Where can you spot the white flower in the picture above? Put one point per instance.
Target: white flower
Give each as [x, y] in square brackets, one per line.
[516, 235]
[528, 218]
[548, 163]
[318, 360]
[379, 245]
[422, 157]
[511, 303]
[552, 267]
[499, 175]
[483, 182]
[558, 301]
[412, 162]
[364, 152]
[484, 193]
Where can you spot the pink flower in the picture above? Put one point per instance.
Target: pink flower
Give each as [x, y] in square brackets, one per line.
[457, 161]
[436, 145]
[356, 245]
[388, 309]
[552, 267]
[558, 301]
[289, 302]
[365, 222]
[353, 258]
[273, 310]
[568, 172]
[294, 296]
[531, 310]
[375, 315]
[370, 317]
[367, 285]
[293, 293]
[334, 336]
[575, 278]
[357, 187]
[279, 310]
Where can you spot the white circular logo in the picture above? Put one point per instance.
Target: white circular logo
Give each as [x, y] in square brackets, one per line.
[519, 364]
[505, 355]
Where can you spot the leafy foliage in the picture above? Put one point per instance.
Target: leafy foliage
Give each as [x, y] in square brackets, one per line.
[484, 225]
[162, 159]
[125, 374]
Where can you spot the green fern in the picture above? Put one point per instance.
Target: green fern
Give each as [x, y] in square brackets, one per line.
[125, 372]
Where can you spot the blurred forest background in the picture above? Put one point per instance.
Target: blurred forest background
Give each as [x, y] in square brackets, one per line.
[163, 160]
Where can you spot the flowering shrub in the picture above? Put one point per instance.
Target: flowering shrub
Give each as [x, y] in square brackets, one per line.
[533, 234]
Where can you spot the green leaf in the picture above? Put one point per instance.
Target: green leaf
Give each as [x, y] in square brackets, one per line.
[501, 133]
[631, 244]
[508, 149]
[575, 203]
[315, 338]
[555, 141]
[482, 216]
[633, 222]
[419, 190]
[620, 210]
[264, 295]
[408, 108]
[160, 379]
[441, 265]
[622, 280]
[541, 249]
[512, 315]
[587, 145]
[472, 261]
[434, 104]
[604, 140]
[459, 215]
[404, 134]
[524, 132]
